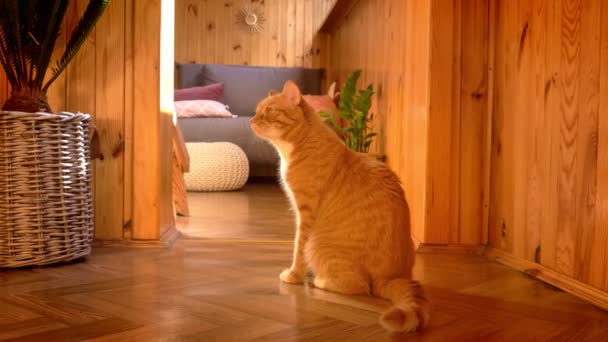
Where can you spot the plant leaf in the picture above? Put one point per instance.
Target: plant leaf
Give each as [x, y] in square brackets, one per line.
[86, 24]
[45, 37]
[363, 102]
[347, 94]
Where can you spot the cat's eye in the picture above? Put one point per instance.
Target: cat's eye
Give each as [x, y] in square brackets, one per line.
[270, 114]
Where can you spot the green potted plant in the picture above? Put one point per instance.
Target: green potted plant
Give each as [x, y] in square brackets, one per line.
[354, 106]
[46, 206]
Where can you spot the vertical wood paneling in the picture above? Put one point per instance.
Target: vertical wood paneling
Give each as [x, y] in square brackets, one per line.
[109, 116]
[206, 32]
[568, 138]
[362, 41]
[599, 254]
[100, 81]
[219, 29]
[534, 74]
[523, 85]
[192, 17]
[309, 31]
[320, 43]
[146, 103]
[290, 33]
[56, 92]
[128, 101]
[283, 32]
[257, 40]
[587, 148]
[473, 102]
[548, 192]
[408, 153]
[299, 14]
[238, 42]
[488, 121]
[441, 100]
[428, 62]
[553, 91]
[456, 124]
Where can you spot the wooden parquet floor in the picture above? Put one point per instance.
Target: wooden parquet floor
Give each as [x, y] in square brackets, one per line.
[225, 287]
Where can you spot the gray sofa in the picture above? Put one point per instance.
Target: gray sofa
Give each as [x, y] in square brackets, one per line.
[244, 87]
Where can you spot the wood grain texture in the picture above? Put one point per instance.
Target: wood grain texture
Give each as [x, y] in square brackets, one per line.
[110, 118]
[337, 10]
[181, 165]
[430, 104]
[153, 86]
[97, 82]
[564, 282]
[400, 79]
[221, 289]
[180, 199]
[548, 200]
[128, 129]
[599, 250]
[206, 32]
[473, 95]
[146, 102]
[456, 124]
[439, 126]
[587, 141]
[489, 121]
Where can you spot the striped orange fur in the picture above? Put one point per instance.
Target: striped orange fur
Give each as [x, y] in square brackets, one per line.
[353, 224]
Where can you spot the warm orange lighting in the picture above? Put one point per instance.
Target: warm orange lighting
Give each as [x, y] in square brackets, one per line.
[167, 28]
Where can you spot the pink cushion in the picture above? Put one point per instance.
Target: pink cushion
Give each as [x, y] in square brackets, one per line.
[213, 92]
[201, 109]
[321, 103]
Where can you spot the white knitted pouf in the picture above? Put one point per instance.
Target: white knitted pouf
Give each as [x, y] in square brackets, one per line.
[217, 166]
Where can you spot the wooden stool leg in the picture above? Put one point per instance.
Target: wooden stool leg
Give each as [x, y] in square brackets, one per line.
[181, 164]
[180, 197]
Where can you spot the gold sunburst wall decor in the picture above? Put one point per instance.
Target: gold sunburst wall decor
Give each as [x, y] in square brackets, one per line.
[251, 19]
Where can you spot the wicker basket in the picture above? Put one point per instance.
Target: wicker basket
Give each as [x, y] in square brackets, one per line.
[46, 204]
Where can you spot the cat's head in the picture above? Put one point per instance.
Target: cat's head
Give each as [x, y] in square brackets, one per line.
[280, 116]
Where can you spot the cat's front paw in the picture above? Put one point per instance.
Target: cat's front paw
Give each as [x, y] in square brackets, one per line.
[291, 277]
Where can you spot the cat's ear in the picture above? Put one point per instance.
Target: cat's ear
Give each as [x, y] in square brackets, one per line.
[272, 92]
[292, 92]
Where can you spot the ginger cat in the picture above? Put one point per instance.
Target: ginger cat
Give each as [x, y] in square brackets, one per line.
[353, 224]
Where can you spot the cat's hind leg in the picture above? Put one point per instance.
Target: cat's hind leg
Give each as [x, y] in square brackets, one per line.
[341, 277]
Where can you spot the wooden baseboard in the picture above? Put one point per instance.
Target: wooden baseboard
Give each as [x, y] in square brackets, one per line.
[459, 249]
[573, 286]
[167, 240]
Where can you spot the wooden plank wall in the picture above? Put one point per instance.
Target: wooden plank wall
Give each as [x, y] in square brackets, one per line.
[94, 83]
[361, 42]
[153, 105]
[549, 198]
[104, 81]
[430, 104]
[206, 32]
[457, 114]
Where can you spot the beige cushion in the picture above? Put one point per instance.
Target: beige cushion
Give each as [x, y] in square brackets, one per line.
[218, 166]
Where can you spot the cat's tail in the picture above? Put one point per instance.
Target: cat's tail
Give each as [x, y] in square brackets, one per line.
[410, 311]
